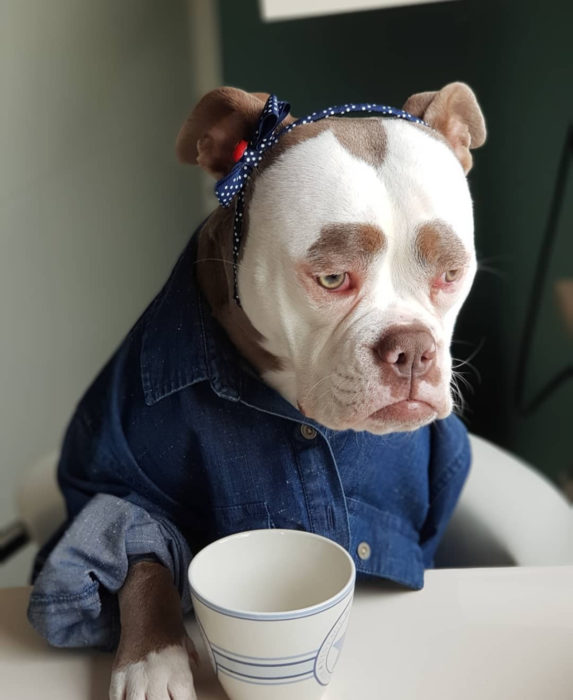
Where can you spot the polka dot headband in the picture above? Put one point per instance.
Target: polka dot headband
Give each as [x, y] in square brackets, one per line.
[249, 155]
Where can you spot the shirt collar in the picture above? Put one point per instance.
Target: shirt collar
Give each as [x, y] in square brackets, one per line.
[182, 344]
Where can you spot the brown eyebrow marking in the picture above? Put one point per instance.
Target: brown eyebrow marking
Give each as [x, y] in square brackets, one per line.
[339, 243]
[438, 247]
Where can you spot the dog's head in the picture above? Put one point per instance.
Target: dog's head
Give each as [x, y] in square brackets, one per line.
[358, 254]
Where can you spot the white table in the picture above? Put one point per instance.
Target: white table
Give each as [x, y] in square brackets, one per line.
[471, 634]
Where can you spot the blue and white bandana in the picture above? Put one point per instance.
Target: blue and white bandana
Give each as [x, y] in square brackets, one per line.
[267, 135]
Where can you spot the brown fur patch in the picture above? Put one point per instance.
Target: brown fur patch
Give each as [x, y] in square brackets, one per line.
[342, 245]
[438, 247]
[363, 138]
[215, 274]
[150, 612]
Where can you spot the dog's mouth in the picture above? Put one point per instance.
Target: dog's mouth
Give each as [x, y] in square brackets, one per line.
[405, 412]
[403, 415]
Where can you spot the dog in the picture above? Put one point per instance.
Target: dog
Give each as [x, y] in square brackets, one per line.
[328, 298]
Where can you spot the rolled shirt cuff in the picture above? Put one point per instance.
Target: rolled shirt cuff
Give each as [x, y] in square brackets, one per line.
[74, 600]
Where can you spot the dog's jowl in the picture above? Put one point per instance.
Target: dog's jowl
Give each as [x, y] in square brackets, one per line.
[293, 372]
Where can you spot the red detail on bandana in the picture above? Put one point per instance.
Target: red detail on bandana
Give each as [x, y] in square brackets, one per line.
[239, 149]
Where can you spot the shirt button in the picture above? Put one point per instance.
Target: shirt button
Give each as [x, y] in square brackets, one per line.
[307, 431]
[364, 551]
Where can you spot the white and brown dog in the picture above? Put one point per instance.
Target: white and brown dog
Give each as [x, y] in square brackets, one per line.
[358, 254]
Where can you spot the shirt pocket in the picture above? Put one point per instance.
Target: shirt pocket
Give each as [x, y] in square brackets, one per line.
[384, 544]
[238, 518]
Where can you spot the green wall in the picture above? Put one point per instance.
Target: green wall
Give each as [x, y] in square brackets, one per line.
[517, 58]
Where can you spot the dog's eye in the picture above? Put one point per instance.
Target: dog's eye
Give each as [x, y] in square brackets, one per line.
[332, 282]
[452, 275]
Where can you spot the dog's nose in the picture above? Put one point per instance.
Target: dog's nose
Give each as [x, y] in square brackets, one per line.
[409, 351]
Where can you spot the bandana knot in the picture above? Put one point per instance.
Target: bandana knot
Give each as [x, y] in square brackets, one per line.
[228, 187]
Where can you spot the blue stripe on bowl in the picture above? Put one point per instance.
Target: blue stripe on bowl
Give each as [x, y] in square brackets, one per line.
[265, 671]
[230, 660]
[256, 659]
[262, 681]
[272, 616]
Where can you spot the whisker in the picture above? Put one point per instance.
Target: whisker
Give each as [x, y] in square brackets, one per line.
[465, 363]
[313, 387]
[484, 266]
[493, 271]
[459, 382]
[457, 396]
[457, 362]
[461, 378]
[326, 392]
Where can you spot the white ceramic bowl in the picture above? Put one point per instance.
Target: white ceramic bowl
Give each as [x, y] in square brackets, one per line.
[273, 606]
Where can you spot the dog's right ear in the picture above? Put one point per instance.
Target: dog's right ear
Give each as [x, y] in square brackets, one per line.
[221, 119]
[454, 112]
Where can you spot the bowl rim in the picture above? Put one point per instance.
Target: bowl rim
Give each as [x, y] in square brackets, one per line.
[346, 590]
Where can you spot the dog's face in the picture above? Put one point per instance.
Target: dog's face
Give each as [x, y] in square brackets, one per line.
[354, 272]
[358, 256]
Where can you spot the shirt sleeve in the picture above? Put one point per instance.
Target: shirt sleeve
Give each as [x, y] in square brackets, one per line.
[74, 600]
[116, 513]
[449, 468]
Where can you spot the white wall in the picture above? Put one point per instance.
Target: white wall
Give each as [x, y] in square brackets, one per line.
[94, 207]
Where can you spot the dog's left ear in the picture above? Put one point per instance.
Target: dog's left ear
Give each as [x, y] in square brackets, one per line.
[222, 119]
[454, 112]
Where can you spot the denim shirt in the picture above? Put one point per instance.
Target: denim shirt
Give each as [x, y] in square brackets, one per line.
[178, 442]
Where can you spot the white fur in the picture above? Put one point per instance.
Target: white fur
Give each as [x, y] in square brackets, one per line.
[328, 363]
[161, 675]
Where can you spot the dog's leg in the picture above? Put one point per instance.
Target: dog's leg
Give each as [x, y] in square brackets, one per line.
[152, 660]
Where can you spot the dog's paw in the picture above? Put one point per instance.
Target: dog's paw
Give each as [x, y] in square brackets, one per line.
[161, 675]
